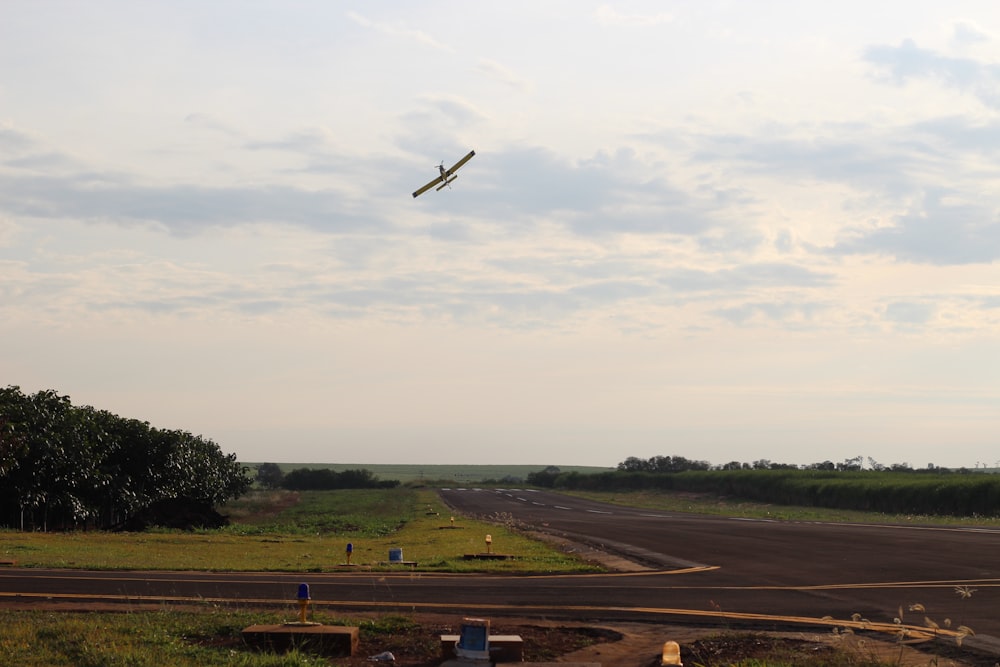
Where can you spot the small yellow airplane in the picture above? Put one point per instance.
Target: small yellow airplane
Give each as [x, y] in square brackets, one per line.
[446, 176]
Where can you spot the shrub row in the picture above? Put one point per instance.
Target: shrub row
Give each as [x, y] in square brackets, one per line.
[872, 491]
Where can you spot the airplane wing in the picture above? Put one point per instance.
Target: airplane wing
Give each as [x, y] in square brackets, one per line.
[427, 187]
[458, 164]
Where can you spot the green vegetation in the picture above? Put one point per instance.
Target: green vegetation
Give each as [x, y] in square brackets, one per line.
[302, 531]
[708, 503]
[900, 493]
[179, 638]
[63, 466]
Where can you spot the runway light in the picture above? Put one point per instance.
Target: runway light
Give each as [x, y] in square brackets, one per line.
[303, 597]
[671, 654]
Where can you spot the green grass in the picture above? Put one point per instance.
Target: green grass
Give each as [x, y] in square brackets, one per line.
[177, 638]
[303, 532]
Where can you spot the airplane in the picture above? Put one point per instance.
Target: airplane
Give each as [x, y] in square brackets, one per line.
[446, 176]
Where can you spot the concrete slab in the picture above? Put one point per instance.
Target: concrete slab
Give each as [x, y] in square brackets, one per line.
[335, 641]
[503, 648]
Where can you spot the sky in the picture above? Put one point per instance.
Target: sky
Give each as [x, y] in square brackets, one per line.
[723, 230]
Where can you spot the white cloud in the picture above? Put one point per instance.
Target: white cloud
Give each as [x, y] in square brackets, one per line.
[408, 34]
[608, 15]
[504, 75]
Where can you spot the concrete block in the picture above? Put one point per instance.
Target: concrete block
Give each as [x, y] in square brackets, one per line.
[503, 648]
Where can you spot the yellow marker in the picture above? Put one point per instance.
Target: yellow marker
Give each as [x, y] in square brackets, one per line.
[671, 654]
[489, 542]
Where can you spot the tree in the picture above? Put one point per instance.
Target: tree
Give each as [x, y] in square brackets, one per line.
[545, 478]
[269, 475]
[66, 466]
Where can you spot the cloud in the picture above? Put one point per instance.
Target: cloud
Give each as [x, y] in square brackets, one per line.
[305, 141]
[967, 34]
[608, 15]
[498, 72]
[213, 123]
[941, 230]
[748, 277]
[409, 34]
[909, 312]
[906, 62]
[14, 141]
[789, 313]
[182, 209]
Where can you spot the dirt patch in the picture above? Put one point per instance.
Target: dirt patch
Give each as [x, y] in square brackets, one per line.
[416, 643]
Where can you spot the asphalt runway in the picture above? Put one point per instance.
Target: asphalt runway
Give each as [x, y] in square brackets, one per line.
[774, 568]
[702, 570]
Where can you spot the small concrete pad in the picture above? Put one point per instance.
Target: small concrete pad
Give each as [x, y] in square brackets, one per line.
[336, 641]
[503, 648]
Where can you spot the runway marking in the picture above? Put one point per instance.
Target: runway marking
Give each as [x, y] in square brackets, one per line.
[561, 507]
[599, 512]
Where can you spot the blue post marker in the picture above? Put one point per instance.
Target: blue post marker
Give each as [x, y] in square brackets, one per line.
[350, 550]
[303, 597]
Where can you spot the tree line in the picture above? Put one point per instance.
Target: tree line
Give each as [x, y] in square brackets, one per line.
[270, 475]
[897, 489]
[64, 466]
[681, 464]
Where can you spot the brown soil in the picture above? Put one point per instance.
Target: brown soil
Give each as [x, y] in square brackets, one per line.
[641, 645]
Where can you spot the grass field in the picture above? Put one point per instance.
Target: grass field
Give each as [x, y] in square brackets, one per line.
[303, 532]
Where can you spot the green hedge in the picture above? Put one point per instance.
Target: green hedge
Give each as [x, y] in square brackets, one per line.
[888, 492]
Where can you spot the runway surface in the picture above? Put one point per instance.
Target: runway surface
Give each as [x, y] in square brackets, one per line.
[702, 569]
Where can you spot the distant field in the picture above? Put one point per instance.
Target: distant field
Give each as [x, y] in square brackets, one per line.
[465, 474]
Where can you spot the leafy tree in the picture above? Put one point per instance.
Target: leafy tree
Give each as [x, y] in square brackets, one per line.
[269, 475]
[302, 479]
[545, 478]
[65, 466]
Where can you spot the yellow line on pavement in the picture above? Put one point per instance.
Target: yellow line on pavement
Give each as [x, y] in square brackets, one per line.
[912, 632]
